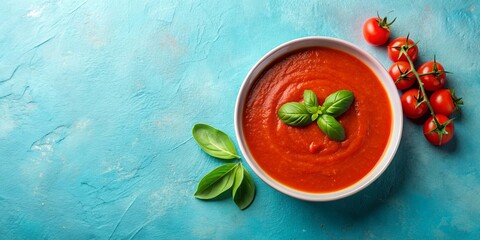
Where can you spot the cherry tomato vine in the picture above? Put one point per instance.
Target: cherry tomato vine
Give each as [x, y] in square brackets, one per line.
[430, 79]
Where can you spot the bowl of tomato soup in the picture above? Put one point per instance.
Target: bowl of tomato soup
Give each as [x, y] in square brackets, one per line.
[303, 162]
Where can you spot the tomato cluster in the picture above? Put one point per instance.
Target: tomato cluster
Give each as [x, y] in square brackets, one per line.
[442, 103]
[423, 87]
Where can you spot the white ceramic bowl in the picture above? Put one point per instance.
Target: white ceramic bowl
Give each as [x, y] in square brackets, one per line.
[369, 60]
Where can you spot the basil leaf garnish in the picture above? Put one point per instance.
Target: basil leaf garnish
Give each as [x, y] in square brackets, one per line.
[217, 181]
[214, 142]
[294, 114]
[299, 115]
[310, 100]
[331, 127]
[244, 189]
[338, 102]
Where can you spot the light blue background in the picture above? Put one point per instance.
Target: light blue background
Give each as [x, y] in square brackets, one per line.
[97, 101]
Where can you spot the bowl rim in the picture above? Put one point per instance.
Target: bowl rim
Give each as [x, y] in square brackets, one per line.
[371, 62]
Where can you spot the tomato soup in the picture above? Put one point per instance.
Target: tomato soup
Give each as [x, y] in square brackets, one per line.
[304, 158]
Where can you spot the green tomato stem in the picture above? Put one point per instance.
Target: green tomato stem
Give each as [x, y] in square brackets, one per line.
[422, 89]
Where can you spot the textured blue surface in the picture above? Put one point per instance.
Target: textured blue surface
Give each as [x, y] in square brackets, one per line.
[97, 101]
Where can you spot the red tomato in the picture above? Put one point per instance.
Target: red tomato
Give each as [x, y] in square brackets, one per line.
[409, 103]
[397, 44]
[398, 72]
[442, 134]
[376, 31]
[435, 75]
[445, 102]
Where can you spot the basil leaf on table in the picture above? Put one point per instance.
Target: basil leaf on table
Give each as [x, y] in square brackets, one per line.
[331, 127]
[238, 181]
[295, 114]
[217, 181]
[214, 142]
[338, 102]
[310, 100]
[230, 175]
[243, 188]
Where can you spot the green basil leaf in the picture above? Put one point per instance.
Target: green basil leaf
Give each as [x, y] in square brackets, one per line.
[214, 142]
[217, 181]
[331, 127]
[310, 100]
[338, 102]
[244, 190]
[238, 180]
[314, 116]
[294, 114]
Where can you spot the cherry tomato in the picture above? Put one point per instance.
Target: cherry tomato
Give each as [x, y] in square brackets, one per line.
[445, 102]
[435, 78]
[441, 135]
[398, 72]
[409, 103]
[376, 31]
[397, 44]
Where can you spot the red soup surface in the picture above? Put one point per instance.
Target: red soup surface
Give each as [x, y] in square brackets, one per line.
[304, 158]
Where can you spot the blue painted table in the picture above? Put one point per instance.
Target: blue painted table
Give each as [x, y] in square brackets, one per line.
[97, 101]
